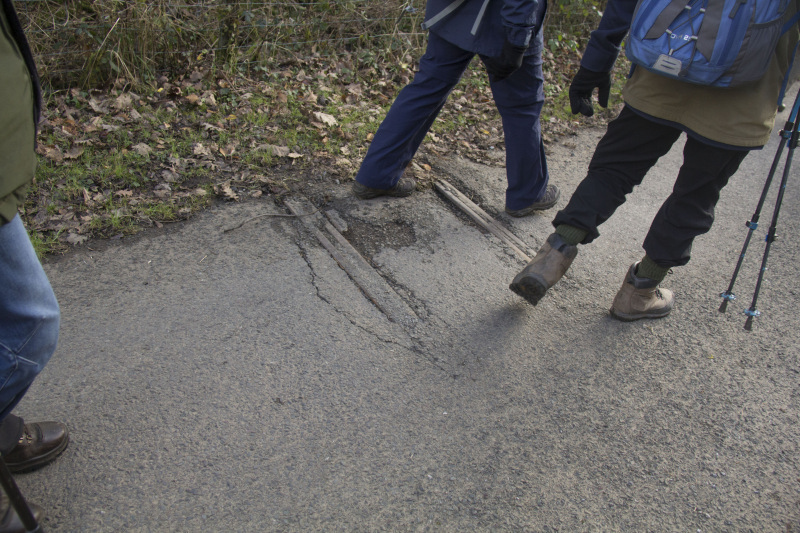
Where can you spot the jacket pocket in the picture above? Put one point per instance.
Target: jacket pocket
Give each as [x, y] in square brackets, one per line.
[757, 50]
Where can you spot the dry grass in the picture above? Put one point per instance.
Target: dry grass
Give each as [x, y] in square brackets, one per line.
[93, 43]
[96, 43]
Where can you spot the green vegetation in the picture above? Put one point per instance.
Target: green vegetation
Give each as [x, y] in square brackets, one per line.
[154, 109]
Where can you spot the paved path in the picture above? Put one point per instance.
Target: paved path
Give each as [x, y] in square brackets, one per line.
[241, 381]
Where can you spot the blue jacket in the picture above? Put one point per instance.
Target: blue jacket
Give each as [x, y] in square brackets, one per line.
[604, 44]
[482, 26]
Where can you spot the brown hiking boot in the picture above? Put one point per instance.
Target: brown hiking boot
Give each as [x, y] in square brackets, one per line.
[545, 269]
[404, 187]
[641, 298]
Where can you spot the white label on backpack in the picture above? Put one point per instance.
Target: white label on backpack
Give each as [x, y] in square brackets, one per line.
[669, 65]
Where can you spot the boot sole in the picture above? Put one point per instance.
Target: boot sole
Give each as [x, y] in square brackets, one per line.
[624, 317]
[530, 288]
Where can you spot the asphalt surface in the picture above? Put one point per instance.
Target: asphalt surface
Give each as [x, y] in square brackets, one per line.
[227, 374]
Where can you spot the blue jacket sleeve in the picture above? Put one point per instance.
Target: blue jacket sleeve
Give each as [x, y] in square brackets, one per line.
[604, 43]
[521, 19]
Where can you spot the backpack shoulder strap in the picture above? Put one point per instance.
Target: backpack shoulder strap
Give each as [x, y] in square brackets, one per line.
[668, 14]
[707, 35]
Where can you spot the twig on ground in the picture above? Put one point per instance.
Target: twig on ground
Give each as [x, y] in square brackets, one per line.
[240, 224]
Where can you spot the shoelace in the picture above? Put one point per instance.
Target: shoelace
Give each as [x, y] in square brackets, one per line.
[26, 437]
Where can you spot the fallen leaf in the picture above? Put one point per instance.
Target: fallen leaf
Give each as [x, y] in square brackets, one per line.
[277, 151]
[226, 191]
[228, 151]
[123, 101]
[169, 175]
[52, 152]
[209, 98]
[74, 153]
[96, 106]
[74, 238]
[163, 190]
[193, 99]
[325, 118]
[199, 149]
[142, 149]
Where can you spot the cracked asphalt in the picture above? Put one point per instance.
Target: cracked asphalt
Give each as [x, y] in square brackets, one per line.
[243, 381]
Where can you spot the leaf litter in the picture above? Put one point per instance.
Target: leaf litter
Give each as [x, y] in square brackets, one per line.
[117, 161]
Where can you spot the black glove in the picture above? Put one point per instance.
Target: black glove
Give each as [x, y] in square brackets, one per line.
[582, 86]
[499, 68]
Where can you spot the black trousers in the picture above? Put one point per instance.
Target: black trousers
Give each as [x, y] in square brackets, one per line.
[10, 432]
[631, 146]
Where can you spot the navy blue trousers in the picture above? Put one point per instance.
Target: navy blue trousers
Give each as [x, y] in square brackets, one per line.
[631, 146]
[519, 99]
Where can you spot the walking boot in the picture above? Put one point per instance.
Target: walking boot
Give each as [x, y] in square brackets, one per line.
[550, 263]
[640, 298]
[548, 200]
[404, 187]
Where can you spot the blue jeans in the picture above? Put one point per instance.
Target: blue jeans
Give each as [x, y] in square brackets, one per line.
[519, 99]
[29, 315]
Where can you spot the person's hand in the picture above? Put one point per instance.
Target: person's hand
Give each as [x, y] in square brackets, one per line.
[499, 68]
[582, 86]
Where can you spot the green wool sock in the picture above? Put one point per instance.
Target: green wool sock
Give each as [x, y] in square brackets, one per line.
[571, 234]
[649, 269]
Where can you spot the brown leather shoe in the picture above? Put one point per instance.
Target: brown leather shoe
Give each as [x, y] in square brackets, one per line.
[550, 263]
[9, 520]
[40, 443]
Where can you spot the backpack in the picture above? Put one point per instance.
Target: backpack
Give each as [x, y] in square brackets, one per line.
[722, 43]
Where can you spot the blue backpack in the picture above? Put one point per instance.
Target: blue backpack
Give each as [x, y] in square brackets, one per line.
[722, 43]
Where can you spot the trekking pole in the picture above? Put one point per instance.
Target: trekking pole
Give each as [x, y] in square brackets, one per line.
[752, 312]
[752, 224]
[17, 500]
